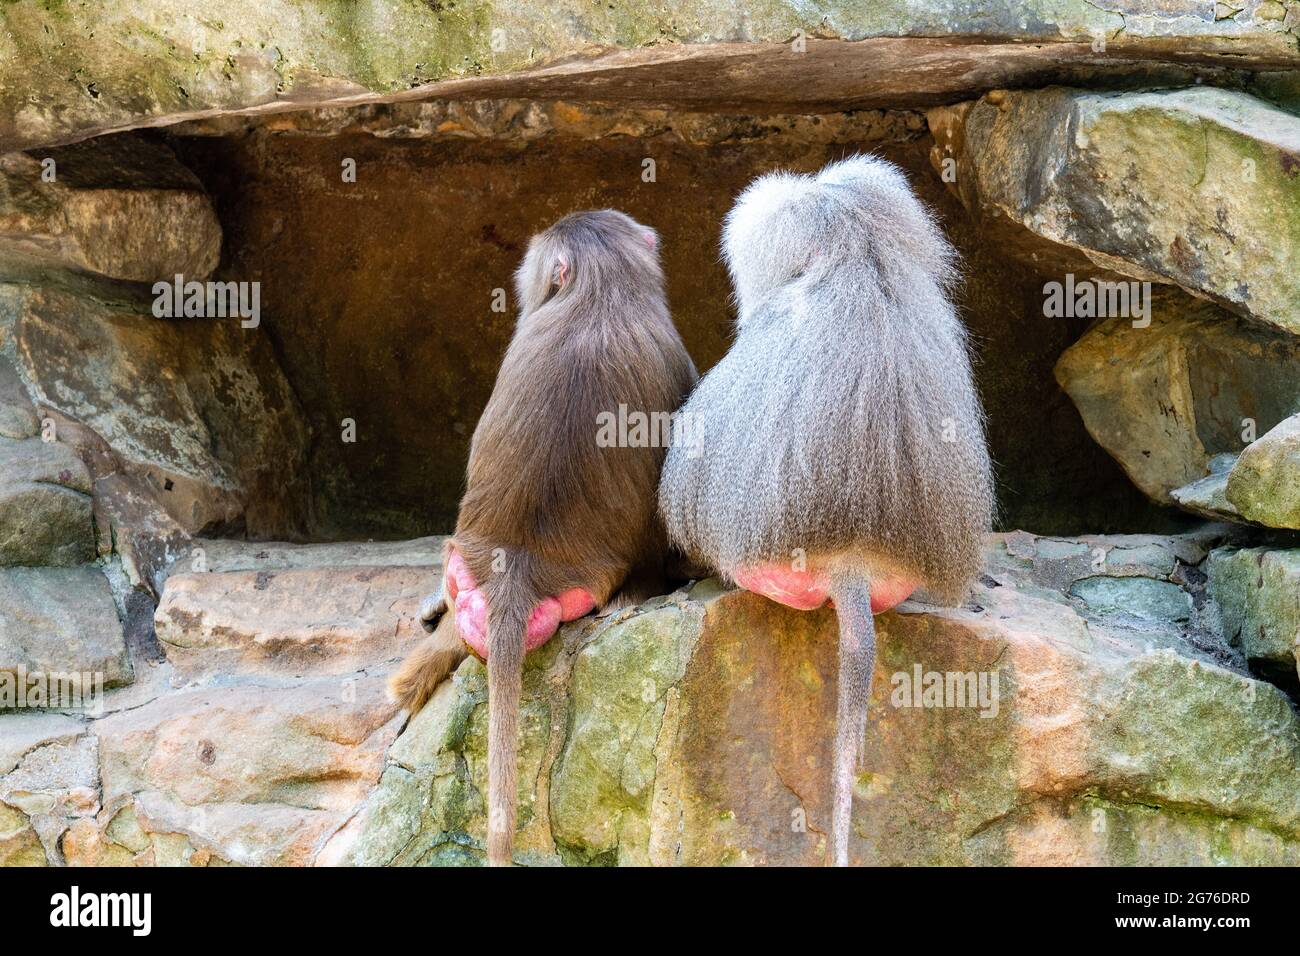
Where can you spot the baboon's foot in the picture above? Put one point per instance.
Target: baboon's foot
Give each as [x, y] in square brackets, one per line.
[432, 608]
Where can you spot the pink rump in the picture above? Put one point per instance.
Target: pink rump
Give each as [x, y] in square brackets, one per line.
[472, 609]
[806, 591]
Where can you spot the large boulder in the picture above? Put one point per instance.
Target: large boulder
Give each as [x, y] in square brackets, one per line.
[44, 487]
[44, 504]
[242, 774]
[17, 414]
[197, 410]
[296, 621]
[116, 206]
[1104, 723]
[1257, 595]
[60, 620]
[1264, 484]
[1189, 186]
[1166, 399]
[67, 72]
[257, 737]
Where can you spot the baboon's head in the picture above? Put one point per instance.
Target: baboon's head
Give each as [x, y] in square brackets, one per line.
[600, 249]
[856, 213]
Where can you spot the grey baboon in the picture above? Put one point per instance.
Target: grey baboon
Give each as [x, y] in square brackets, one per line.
[842, 438]
[553, 521]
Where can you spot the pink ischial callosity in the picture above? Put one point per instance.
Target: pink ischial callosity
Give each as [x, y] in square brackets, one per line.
[472, 611]
[807, 591]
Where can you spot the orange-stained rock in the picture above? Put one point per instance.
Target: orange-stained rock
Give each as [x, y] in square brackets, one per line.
[248, 774]
[1044, 722]
[1085, 712]
[122, 207]
[293, 621]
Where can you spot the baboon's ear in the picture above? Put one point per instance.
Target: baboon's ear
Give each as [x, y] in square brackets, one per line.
[560, 271]
[651, 239]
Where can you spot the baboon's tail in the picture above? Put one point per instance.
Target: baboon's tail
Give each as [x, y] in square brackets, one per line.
[428, 665]
[509, 608]
[852, 595]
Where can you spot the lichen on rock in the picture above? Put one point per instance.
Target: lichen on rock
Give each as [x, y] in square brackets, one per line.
[696, 731]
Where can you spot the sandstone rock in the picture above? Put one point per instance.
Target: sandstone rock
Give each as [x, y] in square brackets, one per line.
[1265, 483]
[60, 620]
[1190, 186]
[155, 62]
[141, 532]
[19, 844]
[296, 621]
[1208, 496]
[48, 782]
[231, 759]
[58, 778]
[1165, 400]
[198, 410]
[1140, 598]
[17, 414]
[242, 774]
[696, 730]
[1121, 729]
[1257, 593]
[120, 207]
[44, 504]
[84, 844]
[223, 554]
[22, 733]
[131, 521]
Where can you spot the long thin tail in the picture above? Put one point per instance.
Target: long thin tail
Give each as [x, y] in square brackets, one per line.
[852, 595]
[508, 612]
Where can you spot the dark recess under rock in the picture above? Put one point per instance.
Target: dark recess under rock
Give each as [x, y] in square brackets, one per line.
[377, 294]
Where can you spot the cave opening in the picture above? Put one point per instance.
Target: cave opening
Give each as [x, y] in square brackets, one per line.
[384, 241]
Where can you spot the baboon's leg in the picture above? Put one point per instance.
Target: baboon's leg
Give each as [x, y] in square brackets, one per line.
[428, 665]
[641, 585]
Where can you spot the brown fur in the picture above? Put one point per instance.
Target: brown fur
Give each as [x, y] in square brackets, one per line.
[546, 508]
[428, 665]
[435, 657]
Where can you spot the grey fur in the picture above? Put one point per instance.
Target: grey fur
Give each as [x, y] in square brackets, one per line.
[843, 424]
[853, 696]
[823, 426]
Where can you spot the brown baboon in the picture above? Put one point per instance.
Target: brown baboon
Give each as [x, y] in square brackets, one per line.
[843, 450]
[555, 520]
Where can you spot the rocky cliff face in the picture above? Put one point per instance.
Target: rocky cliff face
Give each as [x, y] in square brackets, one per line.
[187, 496]
[155, 61]
[1087, 705]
